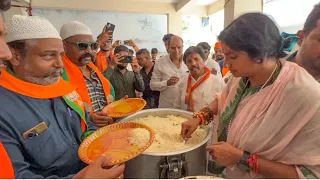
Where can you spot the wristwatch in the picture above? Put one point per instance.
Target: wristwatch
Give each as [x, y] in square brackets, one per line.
[243, 164]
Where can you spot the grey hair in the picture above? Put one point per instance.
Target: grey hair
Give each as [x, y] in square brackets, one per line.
[21, 46]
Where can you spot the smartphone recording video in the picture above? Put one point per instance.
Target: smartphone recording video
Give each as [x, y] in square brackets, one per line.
[110, 27]
[127, 59]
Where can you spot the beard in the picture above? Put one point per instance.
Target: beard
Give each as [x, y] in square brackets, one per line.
[312, 65]
[5, 5]
[49, 78]
[219, 58]
[309, 61]
[120, 66]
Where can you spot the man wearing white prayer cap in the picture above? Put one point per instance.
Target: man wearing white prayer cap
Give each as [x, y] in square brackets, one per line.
[95, 90]
[43, 120]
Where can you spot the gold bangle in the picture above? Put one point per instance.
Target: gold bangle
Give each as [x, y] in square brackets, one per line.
[207, 114]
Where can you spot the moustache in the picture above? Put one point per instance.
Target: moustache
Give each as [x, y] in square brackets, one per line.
[219, 57]
[195, 68]
[86, 55]
[56, 71]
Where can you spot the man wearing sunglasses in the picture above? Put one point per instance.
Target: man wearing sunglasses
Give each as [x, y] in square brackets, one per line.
[94, 89]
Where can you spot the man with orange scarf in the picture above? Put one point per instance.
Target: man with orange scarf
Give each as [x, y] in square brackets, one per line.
[104, 56]
[94, 89]
[220, 58]
[43, 120]
[195, 90]
[5, 54]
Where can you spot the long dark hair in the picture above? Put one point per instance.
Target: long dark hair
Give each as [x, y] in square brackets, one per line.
[256, 34]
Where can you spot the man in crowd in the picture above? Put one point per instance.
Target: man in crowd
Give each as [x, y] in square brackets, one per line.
[124, 82]
[145, 61]
[166, 38]
[105, 54]
[154, 54]
[43, 121]
[218, 51]
[94, 89]
[167, 72]
[210, 63]
[308, 56]
[5, 54]
[220, 58]
[195, 91]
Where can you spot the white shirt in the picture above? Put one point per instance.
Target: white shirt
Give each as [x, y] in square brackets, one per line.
[129, 67]
[212, 64]
[202, 96]
[163, 70]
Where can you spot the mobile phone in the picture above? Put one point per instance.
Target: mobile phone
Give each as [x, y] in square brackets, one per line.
[110, 27]
[35, 131]
[126, 42]
[120, 42]
[127, 59]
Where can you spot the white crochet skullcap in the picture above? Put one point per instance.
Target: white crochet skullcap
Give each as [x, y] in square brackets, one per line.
[74, 28]
[29, 27]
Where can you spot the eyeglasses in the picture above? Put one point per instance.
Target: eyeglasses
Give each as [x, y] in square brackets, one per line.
[107, 42]
[84, 45]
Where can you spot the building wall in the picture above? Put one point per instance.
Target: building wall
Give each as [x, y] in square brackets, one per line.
[130, 6]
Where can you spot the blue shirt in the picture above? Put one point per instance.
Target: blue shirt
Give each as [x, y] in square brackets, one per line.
[221, 64]
[51, 154]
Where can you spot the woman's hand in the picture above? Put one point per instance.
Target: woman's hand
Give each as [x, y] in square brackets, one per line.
[188, 127]
[225, 154]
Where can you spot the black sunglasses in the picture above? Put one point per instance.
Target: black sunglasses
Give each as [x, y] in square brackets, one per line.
[84, 45]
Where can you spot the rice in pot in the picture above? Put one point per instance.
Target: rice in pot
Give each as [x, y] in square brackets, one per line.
[167, 134]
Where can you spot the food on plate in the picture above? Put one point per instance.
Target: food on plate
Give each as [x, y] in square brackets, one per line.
[168, 134]
[139, 137]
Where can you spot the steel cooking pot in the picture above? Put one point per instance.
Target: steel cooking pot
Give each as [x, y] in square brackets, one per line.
[168, 165]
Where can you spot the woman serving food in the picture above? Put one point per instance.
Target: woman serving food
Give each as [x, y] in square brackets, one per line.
[268, 113]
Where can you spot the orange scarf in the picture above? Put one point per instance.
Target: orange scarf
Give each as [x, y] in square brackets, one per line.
[188, 99]
[101, 61]
[5, 165]
[224, 71]
[73, 74]
[62, 89]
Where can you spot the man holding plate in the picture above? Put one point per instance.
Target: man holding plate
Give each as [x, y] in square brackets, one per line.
[94, 89]
[43, 119]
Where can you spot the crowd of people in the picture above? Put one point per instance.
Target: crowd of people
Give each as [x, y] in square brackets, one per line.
[264, 108]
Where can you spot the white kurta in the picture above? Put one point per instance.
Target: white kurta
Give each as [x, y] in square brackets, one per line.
[212, 64]
[163, 70]
[202, 96]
